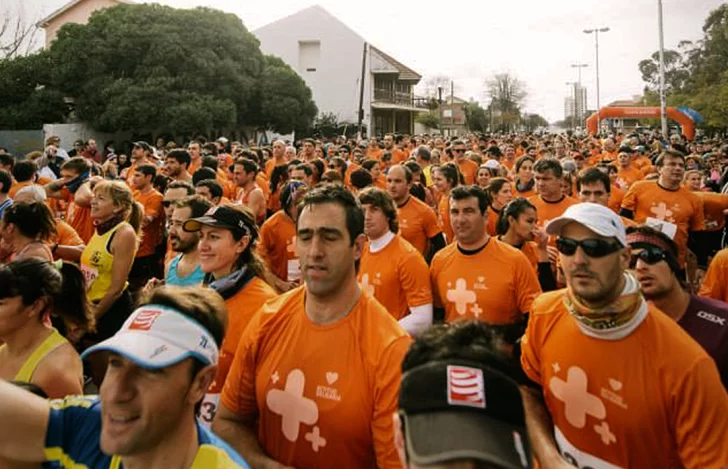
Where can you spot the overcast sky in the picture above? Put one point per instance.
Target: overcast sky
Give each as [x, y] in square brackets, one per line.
[471, 40]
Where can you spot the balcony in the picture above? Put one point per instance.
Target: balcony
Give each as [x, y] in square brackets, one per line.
[384, 98]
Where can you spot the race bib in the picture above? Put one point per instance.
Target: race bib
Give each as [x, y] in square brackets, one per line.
[294, 270]
[578, 458]
[208, 409]
[89, 274]
[661, 225]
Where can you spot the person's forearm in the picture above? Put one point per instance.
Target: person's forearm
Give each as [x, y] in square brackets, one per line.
[244, 440]
[108, 300]
[540, 429]
[68, 253]
[24, 419]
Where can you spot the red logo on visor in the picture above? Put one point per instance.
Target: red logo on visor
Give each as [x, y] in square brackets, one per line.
[465, 386]
[144, 319]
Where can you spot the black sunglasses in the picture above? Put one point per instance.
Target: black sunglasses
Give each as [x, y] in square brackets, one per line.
[592, 247]
[649, 256]
[458, 150]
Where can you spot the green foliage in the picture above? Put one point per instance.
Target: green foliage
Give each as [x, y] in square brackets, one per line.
[430, 119]
[532, 122]
[475, 117]
[152, 67]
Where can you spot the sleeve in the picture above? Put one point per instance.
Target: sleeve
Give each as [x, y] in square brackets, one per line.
[527, 286]
[697, 220]
[67, 236]
[238, 394]
[74, 425]
[436, 301]
[153, 206]
[386, 395]
[629, 201]
[264, 249]
[432, 226]
[413, 277]
[530, 350]
[700, 405]
[714, 283]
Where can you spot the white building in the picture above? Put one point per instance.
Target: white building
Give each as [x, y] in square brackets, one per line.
[328, 55]
[575, 103]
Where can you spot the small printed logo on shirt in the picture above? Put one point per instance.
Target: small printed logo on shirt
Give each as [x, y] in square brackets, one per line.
[711, 317]
[465, 386]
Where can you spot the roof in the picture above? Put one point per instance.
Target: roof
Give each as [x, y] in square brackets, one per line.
[405, 73]
[68, 6]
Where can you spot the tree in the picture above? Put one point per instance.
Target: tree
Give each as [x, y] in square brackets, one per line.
[475, 117]
[151, 67]
[677, 72]
[532, 122]
[507, 94]
[430, 119]
[18, 35]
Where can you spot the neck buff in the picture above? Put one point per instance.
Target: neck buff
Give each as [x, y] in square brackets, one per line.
[525, 187]
[104, 226]
[615, 317]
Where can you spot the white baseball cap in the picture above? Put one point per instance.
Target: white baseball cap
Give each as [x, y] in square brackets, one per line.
[156, 336]
[598, 218]
[492, 164]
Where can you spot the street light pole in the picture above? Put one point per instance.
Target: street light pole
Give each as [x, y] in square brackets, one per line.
[663, 101]
[579, 107]
[596, 32]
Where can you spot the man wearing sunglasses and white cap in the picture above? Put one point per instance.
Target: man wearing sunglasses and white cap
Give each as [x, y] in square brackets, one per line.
[654, 261]
[160, 364]
[624, 385]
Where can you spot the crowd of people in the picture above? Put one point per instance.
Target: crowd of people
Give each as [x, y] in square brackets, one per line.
[483, 301]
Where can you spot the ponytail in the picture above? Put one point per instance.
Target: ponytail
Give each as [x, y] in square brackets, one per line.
[71, 303]
[136, 215]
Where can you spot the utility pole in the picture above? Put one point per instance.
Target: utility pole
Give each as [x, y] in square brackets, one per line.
[361, 89]
[663, 100]
[596, 32]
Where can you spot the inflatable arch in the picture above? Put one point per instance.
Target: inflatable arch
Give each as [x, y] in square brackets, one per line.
[688, 126]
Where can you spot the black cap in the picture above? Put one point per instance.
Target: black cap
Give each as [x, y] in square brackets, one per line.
[456, 409]
[223, 217]
[625, 149]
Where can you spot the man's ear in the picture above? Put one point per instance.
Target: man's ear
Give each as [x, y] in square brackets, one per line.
[201, 383]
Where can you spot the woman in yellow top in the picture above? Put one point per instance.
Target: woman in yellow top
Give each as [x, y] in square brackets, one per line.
[31, 291]
[107, 259]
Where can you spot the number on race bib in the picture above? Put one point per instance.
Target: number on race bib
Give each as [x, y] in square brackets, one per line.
[208, 409]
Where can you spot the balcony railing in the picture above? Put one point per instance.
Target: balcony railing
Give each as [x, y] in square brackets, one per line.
[399, 98]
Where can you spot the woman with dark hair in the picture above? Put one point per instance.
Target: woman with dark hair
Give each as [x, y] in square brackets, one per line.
[31, 291]
[278, 180]
[445, 178]
[499, 194]
[228, 246]
[517, 226]
[524, 182]
[26, 228]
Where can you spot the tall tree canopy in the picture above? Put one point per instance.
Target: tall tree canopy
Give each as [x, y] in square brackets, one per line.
[141, 67]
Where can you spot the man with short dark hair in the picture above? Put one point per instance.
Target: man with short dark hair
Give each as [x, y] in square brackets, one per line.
[391, 269]
[666, 204]
[550, 200]
[24, 173]
[315, 380]
[417, 221]
[160, 365]
[210, 189]
[423, 157]
[468, 168]
[459, 406]
[593, 185]
[251, 195]
[304, 173]
[184, 269]
[309, 150]
[176, 165]
[147, 263]
[478, 276]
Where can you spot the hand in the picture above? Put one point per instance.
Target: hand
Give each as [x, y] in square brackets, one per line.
[553, 254]
[151, 285]
[541, 238]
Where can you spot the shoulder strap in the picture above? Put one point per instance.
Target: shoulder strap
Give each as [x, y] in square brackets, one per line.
[51, 343]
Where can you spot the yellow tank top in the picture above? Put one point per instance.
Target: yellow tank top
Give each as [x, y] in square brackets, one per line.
[50, 344]
[96, 263]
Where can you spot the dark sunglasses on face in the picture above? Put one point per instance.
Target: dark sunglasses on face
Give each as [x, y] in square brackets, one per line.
[592, 247]
[649, 256]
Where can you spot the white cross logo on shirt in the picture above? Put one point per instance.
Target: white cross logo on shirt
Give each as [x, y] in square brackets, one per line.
[292, 406]
[661, 212]
[369, 288]
[315, 438]
[461, 296]
[577, 400]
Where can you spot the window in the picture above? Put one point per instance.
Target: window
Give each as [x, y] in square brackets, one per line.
[309, 55]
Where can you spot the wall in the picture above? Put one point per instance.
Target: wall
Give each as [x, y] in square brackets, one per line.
[335, 83]
[21, 142]
[79, 13]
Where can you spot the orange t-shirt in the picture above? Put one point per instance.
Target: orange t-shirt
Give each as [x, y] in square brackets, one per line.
[321, 396]
[374, 154]
[652, 399]
[469, 169]
[495, 285]
[262, 181]
[715, 282]
[530, 250]
[682, 208]
[443, 210]
[627, 177]
[399, 156]
[549, 210]
[417, 223]
[277, 246]
[713, 206]
[397, 276]
[616, 196]
[151, 233]
[66, 235]
[16, 186]
[78, 217]
[525, 194]
[492, 226]
[508, 164]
